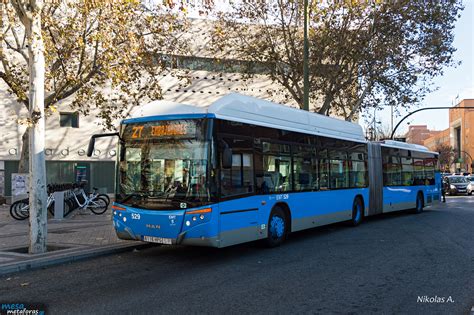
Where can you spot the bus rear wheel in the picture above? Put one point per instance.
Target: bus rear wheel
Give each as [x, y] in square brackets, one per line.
[277, 227]
[357, 212]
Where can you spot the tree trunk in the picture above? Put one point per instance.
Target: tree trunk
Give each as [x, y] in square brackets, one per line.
[358, 104]
[23, 166]
[37, 187]
[324, 110]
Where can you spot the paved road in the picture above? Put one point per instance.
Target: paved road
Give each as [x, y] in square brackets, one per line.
[382, 266]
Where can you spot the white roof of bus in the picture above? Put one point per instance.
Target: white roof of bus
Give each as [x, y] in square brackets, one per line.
[407, 146]
[247, 109]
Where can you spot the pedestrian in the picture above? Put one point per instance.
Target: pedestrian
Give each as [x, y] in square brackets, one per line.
[444, 186]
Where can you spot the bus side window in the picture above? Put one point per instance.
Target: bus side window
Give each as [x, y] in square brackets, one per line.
[323, 174]
[305, 168]
[239, 179]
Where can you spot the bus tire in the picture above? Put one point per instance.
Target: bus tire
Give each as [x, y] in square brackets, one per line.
[419, 203]
[357, 212]
[277, 227]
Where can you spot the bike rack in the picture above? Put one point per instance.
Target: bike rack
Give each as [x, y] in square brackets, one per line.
[58, 205]
[69, 194]
[62, 193]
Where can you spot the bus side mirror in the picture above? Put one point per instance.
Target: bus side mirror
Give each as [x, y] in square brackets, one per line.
[227, 158]
[90, 148]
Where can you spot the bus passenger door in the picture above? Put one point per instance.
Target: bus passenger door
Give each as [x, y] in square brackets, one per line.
[238, 209]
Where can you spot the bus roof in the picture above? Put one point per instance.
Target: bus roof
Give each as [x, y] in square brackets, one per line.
[251, 110]
[407, 146]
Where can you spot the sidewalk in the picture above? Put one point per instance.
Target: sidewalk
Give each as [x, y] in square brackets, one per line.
[81, 236]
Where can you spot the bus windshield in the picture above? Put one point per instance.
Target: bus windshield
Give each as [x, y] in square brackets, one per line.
[165, 169]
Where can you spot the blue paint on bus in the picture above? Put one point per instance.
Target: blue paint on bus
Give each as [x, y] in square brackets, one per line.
[246, 217]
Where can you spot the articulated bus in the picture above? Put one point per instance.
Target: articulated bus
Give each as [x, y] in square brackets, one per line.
[244, 169]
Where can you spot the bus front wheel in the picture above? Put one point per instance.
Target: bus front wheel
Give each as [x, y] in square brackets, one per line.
[277, 227]
[357, 212]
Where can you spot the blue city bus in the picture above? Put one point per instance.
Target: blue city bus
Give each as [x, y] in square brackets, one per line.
[244, 169]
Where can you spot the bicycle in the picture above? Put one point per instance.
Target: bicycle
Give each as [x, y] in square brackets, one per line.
[98, 205]
[95, 193]
[20, 209]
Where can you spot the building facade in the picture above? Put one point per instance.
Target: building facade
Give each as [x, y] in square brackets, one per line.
[417, 134]
[459, 136]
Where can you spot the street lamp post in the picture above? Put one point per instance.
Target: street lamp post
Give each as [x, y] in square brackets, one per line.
[422, 109]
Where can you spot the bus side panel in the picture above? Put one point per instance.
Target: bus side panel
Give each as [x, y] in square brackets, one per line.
[246, 219]
[238, 220]
[313, 209]
[400, 197]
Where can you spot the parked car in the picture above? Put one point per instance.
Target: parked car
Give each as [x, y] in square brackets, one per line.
[457, 184]
[471, 179]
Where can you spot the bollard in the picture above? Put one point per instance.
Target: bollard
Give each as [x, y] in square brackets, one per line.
[58, 205]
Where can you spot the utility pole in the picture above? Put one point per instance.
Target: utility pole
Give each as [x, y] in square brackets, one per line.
[391, 119]
[305, 59]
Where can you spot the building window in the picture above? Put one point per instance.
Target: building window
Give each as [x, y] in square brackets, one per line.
[69, 120]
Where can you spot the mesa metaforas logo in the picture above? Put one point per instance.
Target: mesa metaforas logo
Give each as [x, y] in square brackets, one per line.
[20, 309]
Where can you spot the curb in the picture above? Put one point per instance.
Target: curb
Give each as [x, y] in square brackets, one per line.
[61, 258]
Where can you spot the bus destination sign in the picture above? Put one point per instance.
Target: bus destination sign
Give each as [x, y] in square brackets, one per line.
[182, 129]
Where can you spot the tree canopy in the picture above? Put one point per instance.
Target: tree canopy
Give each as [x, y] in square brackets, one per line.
[101, 52]
[446, 155]
[362, 54]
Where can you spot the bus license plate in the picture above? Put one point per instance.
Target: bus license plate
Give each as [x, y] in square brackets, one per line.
[159, 240]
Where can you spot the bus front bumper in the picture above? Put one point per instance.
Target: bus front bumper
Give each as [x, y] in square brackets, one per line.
[156, 227]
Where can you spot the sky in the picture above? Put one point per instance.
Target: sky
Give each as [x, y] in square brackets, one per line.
[456, 83]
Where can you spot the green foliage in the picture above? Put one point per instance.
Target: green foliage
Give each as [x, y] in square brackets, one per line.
[362, 54]
[103, 55]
